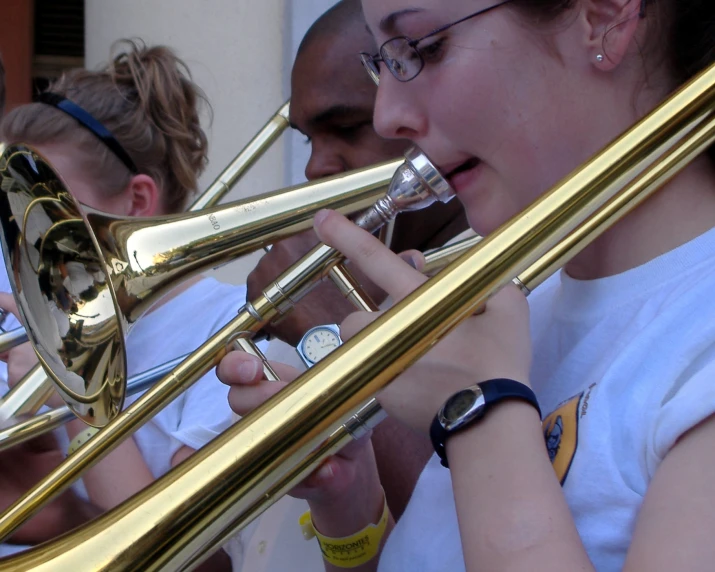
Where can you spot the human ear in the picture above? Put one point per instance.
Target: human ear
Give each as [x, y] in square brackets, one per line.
[144, 196]
[610, 30]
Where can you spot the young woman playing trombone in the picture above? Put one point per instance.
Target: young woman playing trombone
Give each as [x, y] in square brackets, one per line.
[593, 448]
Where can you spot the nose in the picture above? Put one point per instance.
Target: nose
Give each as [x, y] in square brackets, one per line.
[324, 161]
[397, 114]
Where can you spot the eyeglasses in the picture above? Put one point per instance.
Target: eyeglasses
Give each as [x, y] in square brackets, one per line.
[402, 56]
[404, 59]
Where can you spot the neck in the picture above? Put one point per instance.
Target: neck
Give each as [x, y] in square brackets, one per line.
[679, 212]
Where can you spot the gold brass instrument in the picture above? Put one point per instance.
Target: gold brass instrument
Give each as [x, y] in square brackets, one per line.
[181, 517]
[36, 387]
[255, 149]
[109, 273]
[54, 418]
[437, 259]
[12, 338]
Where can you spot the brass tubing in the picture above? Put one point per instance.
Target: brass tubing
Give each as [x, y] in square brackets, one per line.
[253, 151]
[54, 418]
[350, 288]
[183, 514]
[11, 339]
[28, 396]
[438, 258]
[177, 247]
[246, 345]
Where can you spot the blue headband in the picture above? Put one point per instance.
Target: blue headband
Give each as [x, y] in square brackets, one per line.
[85, 119]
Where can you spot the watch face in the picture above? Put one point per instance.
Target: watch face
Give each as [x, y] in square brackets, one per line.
[319, 342]
[458, 405]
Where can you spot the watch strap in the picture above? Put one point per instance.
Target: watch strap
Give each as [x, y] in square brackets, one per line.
[493, 391]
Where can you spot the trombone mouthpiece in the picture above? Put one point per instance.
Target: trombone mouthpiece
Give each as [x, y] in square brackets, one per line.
[415, 185]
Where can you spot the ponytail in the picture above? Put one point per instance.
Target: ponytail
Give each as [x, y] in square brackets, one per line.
[146, 98]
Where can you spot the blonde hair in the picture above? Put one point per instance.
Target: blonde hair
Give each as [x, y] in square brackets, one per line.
[145, 96]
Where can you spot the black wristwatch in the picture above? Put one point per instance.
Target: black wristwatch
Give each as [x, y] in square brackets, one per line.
[471, 404]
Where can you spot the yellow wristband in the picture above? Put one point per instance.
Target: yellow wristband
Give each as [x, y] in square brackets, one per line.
[349, 551]
[81, 438]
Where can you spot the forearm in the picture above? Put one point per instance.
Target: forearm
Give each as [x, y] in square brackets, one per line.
[351, 520]
[118, 476]
[512, 513]
[352, 511]
[66, 514]
[401, 455]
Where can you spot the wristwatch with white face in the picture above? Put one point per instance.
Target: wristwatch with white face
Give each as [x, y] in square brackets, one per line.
[471, 404]
[318, 342]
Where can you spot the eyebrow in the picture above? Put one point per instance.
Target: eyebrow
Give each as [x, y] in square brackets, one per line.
[336, 112]
[389, 23]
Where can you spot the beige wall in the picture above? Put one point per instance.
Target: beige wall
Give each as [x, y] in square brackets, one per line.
[235, 50]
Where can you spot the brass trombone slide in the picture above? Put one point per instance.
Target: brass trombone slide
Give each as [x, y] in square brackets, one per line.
[437, 259]
[180, 517]
[253, 151]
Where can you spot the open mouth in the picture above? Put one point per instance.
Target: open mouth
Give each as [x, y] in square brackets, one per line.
[461, 168]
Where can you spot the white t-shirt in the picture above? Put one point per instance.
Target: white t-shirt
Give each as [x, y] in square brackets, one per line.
[171, 330]
[623, 366]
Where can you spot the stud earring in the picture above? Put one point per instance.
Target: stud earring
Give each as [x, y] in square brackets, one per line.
[599, 58]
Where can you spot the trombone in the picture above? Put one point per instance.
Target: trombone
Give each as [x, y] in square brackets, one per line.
[180, 518]
[415, 184]
[45, 236]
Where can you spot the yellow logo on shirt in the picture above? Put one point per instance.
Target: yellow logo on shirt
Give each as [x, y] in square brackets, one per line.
[561, 435]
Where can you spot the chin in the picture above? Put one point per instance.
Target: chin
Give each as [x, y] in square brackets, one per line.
[483, 216]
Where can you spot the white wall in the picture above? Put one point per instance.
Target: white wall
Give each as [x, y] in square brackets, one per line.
[235, 51]
[240, 52]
